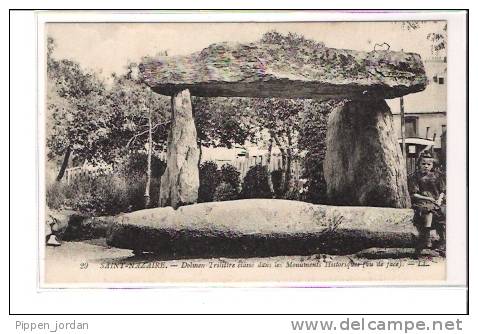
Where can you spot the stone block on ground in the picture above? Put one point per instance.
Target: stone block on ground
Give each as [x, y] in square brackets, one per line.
[261, 227]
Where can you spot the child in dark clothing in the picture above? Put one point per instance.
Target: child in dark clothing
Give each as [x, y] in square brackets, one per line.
[427, 190]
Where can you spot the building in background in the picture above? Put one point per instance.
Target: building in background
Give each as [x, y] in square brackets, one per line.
[425, 115]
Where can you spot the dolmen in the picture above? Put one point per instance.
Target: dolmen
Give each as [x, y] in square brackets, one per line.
[363, 165]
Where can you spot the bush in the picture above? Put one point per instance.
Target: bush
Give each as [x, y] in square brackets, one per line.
[57, 195]
[110, 194]
[133, 169]
[135, 192]
[136, 163]
[316, 188]
[225, 192]
[293, 194]
[103, 195]
[255, 183]
[209, 179]
[230, 175]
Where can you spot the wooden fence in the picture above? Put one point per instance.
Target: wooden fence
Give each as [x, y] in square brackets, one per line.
[81, 172]
[243, 164]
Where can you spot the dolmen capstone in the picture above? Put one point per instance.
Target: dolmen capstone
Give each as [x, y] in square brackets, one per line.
[274, 68]
[363, 165]
[261, 227]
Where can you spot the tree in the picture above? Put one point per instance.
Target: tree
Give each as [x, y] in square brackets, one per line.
[99, 124]
[133, 103]
[281, 119]
[141, 117]
[228, 121]
[437, 38]
[220, 122]
[77, 119]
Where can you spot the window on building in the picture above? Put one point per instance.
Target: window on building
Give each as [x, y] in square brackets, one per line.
[441, 81]
[435, 78]
[411, 127]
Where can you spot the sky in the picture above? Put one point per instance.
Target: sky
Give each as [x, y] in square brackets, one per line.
[108, 47]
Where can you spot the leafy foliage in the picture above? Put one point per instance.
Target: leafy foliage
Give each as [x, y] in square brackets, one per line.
[225, 192]
[135, 191]
[220, 122]
[439, 39]
[58, 195]
[132, 103]
[77, 115]
[230, 175]
[108, 194]
[281, 118]
[99, 124]
[255, 183]
[209, 178]
[229, 121]
[102, 195]
[135, 164]
[293, 194]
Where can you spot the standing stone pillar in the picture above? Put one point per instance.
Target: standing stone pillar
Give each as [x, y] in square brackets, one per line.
[180, 181]
[363, 164]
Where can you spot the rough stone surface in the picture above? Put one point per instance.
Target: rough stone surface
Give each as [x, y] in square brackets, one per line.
[363, 164]
[180, 181]
[261, 227]
[305, 70]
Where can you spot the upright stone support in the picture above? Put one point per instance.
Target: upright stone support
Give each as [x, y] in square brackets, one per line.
[363, 164]
[180, 181]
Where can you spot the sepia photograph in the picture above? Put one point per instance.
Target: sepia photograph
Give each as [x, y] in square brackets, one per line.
[243, 152]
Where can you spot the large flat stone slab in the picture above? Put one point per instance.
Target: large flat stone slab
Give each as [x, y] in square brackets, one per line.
[261, 227]
[275, 69]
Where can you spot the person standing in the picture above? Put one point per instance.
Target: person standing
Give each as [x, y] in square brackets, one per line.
[427, 190]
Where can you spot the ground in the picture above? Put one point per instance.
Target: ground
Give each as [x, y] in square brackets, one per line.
[92, 262]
